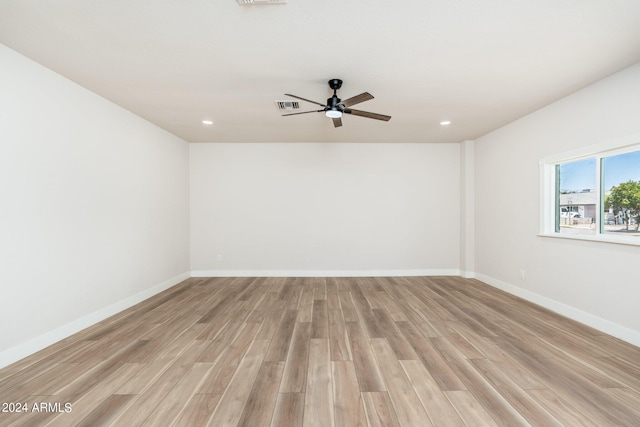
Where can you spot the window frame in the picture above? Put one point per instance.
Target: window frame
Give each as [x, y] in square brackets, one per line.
[549, 189]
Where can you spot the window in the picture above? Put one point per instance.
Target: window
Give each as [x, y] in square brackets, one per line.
[594, 195]
[576, 197]
[621, 190]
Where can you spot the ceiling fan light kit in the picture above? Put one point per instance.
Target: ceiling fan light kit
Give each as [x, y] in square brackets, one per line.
[335, 107]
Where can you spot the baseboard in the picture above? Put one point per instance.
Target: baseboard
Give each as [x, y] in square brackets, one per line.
[323, 273]
[468, 274]
[606, 326]
[31, 346]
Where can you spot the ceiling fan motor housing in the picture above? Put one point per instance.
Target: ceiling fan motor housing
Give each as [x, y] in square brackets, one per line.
[335, 84]
[333, 102]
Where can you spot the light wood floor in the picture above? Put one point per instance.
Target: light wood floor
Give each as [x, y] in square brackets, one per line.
[322, 352]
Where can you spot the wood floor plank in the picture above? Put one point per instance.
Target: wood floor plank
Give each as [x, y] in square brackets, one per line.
[396, 313]
[534, 413]
[212, 330]
[432, 305]
[258, 410]
[319, 288]
[369, 378]
[220, 304]
[630, 397]
[348, 310]
[271, 319]
[294, 297]
[170, 350]
[305, 307]
[286, 287]
[198, 410]
[434, 401]
[228, 333]
[464, 346]
[373, 298]
[469, 409]
[435, 363]
[98, 351]
[486, 347]
[165, 358]
[225, 367]
[493, 402]
[262, 307]
[338, 338]
[620, 349]
[584, 395]
[333, 297]
[90, 375]
[294, 379]
[579, 363]
[153, 393]
[516, 372]
[379, 410]
[279, 344]
[44, 384]
[231, 405]
[399, 344]
[176, 399]
[560, 409]
[417, 315]
[84, 405]
[618, 369]
[596, 364]
[365, 314]
[347, 399]
[289, 410]
[485, 329]
[407, 406]
[319, 319]
[318, 405]
[107, 411]
[26, 369]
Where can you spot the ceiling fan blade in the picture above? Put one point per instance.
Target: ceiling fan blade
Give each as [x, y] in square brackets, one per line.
[337, 122]
[365, 96]
[367, 114]
[303, 112]
[304, 99]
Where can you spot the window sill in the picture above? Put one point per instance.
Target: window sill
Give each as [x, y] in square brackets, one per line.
[629, 240]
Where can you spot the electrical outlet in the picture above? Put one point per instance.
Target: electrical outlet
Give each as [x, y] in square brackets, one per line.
[218, 257]
[522, 274]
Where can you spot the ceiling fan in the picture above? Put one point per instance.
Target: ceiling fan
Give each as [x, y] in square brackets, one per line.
[335, 107]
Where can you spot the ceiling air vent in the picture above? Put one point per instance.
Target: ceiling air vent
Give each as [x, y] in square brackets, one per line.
[252, 2]
[288, 105]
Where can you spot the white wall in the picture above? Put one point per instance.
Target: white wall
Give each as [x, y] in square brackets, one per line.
[596, 283]
[324, 209]
[94, 207]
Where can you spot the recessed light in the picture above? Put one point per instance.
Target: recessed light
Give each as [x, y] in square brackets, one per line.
[207, 122]
[445, 122]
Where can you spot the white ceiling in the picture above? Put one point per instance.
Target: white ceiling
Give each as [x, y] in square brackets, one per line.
[480, 64]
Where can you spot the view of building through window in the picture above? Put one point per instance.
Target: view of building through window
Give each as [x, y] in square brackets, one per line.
[577, 197]
[600, 188]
